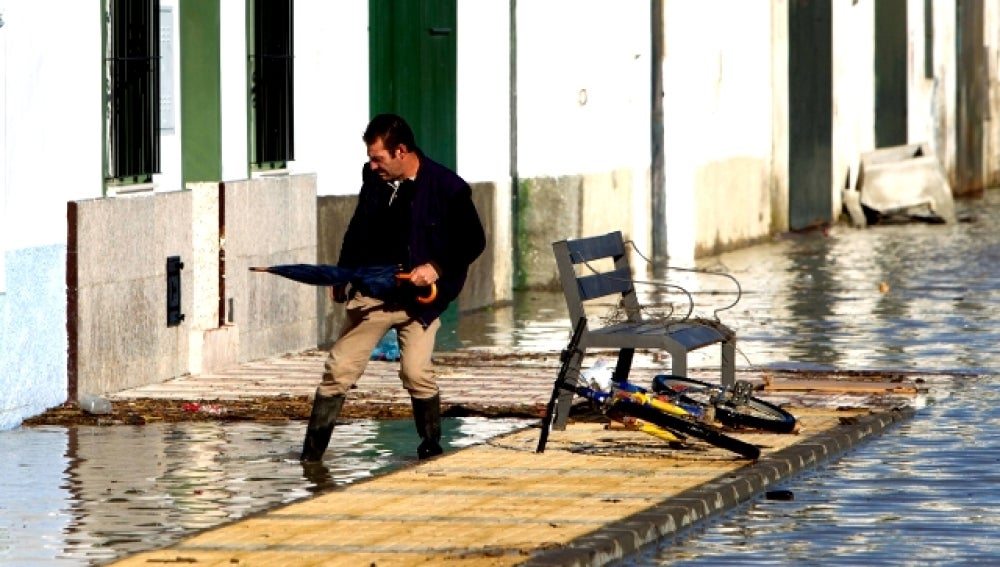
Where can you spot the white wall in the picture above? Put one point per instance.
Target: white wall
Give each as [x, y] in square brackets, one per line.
[932, 101]
[583, 86]
[853, 89]
[991, 128]
[718, 97]
[53, 118]
[4, 222]
[170, 88]
[233, 88]
[51, 124]
[483, 136]
[331, 93]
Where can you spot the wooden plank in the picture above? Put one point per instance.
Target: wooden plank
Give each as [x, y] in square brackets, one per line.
[839, 386]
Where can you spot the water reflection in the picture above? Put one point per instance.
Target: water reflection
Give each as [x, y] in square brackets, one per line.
[86, 495]
[905, 296]
[923, 493]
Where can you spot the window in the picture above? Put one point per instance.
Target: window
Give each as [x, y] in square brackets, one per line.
[272, 139]
[132, 46]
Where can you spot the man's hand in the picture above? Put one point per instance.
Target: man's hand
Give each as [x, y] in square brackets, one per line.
[423, 275]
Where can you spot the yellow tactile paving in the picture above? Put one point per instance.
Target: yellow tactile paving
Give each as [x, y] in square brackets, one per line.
[488, 505]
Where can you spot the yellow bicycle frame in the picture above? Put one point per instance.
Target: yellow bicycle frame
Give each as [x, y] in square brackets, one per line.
[652, 401]
[635, 424]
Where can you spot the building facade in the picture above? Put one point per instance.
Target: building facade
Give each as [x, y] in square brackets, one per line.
[133, 198]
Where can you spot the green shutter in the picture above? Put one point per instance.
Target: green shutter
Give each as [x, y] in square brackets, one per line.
[200, 88]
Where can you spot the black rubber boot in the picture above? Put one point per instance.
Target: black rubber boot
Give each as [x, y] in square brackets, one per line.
[324, 416]
[427, 417]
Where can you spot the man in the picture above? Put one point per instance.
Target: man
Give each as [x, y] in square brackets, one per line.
[414, 212]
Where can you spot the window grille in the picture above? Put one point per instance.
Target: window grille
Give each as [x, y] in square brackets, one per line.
[133, 81]
[271, 83]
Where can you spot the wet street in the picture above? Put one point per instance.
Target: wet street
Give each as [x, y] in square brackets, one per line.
[909, 296]
[922, 494]
[87, 495]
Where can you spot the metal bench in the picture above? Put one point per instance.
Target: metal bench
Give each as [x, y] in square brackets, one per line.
[580, 263]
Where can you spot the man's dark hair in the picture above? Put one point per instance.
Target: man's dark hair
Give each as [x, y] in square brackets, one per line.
[392, 130]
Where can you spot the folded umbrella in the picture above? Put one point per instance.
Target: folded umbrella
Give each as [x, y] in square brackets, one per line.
[373, 281]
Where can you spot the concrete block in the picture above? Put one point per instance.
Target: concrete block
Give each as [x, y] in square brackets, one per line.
[120, 334]
[905, 180]
[558, 208]
[548, 209]
[489, 276]
[333, 215]
[214, 350]
[270, 220]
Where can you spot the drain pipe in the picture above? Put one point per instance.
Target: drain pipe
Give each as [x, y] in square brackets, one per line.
[515, 222]
[656, 168]
[222, 255]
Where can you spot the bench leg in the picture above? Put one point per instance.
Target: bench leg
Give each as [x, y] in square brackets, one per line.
[624, 364]
[729, 363]
[679, 362]
[565, 401]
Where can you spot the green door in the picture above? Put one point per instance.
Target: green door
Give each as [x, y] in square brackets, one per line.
[201, 102]
[890, 73]
[972, 105]
[412, 69]
[810, 113]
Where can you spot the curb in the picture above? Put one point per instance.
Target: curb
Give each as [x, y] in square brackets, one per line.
[636, 533]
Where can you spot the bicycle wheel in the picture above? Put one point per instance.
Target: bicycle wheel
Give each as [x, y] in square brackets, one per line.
[685, 427]
[752, 412]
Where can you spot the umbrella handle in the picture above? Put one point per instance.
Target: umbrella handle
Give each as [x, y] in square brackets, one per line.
[425, 299]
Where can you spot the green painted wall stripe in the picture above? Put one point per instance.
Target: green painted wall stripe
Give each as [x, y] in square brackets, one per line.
[200, 88]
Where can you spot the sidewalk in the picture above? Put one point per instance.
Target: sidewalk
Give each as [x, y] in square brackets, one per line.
[594, 496]
[494, 383]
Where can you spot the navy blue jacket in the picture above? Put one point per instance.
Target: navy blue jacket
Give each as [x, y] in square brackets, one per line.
[444, 229]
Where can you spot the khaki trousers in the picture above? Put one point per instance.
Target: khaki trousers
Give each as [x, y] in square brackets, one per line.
[368, 321]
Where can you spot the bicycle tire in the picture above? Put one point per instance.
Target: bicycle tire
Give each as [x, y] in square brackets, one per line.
[686, 427]
[755, 413]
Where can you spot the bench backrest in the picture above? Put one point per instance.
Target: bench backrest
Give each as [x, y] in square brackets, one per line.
[580, 272]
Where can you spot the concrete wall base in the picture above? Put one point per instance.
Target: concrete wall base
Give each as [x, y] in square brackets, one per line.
[118, 330]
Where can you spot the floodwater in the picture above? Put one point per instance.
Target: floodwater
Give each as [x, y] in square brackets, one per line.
[904, 296]
[910, 296]
[88, 495]
[924, 493]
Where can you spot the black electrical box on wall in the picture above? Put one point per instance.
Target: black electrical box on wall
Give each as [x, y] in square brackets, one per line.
[174, 267]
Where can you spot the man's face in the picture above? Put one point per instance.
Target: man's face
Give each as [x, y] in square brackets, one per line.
[388, 165]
